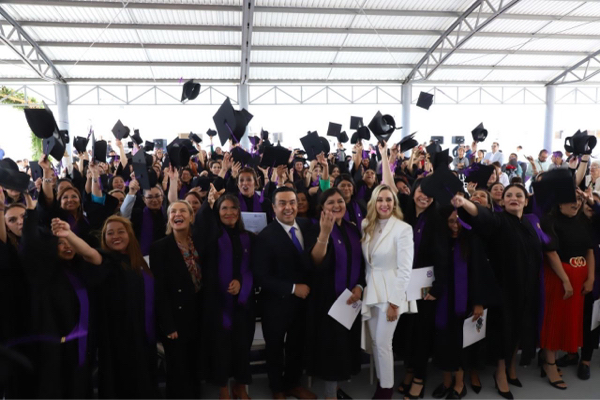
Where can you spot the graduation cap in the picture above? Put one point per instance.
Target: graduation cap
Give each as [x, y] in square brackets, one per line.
[136, 137]
[41, 121]
[145, 176]
[230, 122]
[362, 133]
[479, 173]
[190, 146]
[191, 90]
[254, 140]
[120, 131]
[264, 134]
[99, 149]
[240, 155]
[425, 100]
[555, 187]
[356, 122]
[313, 145]
[203, 183]
[343, 137]
[275, 156]
[407, 143]
[149, 146]
[80, 144]
[433, 148]
[211, 133]
[130, 145]
[580, 143]
[334, 129]
[382, 126]
[54, 146]
[64, 134]
[36, 170]
[442, 185]
[479, 133]
[10, 176]
[195, 138]
[440, 159]
[179, 154]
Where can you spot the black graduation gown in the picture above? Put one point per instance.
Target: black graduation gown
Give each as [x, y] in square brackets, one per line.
[266, 206]
[55, 313]
[127, 360]
[515, 254]
[226, 352]
[159, 224]
[333, 351]
[482, 288]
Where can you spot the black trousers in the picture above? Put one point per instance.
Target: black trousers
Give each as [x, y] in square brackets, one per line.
[183, 368]
[590, 338]
[419, 331]
[284, 329]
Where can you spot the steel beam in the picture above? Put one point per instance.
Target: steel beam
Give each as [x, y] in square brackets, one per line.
[591, 68]
[549, 120]
[247, 22]
[457, 35]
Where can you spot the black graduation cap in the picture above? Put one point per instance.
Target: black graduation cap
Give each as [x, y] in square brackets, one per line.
[211, 133]
[149, 146]
[479, 133]
[580, 143]
[195, 138]
[99, 149]
[334, 129]
[343, 137]
[254, 140]
[312, 144]
[240, 155]
[120, 131]
[479, 173]
[191, 90]
[275, 156]
[54, 146]
[130, 145]
[41, 121]
[80, 144]
[425, 100]
[382, 126]
[64, 134]
[555, 187]
[179, 154]
[433, 148]
[136, 137]
[440, 160]
[10, 176]
[362, 133]
[442, 185]
[356, 122]
[192, 150]
[264, 134]
[142, 173]
[36, 170]
[231, 123]
[408, 143]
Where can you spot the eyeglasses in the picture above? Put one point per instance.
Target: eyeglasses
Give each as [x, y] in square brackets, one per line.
[157, 197]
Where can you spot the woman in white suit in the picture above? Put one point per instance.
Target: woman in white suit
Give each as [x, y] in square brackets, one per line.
[388, 248]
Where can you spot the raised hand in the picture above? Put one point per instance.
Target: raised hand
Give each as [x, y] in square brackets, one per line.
[326, 223]
[2, 197]
[134, 187]
[60, 228]
[213, 195]
[44, 163]
[235, 169]
[171, 173]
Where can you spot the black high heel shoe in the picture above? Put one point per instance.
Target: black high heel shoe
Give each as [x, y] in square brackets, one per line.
[507, 395]
[515, 382]
[407, 395]
[555, 383]
[405, 387]
[455, 395]
[476, 388]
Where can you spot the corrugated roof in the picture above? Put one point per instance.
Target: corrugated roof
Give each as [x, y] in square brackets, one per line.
[193, 26]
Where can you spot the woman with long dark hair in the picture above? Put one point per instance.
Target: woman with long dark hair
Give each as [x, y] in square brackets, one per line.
[228, 314]
[333, 351]
[125, 310]
[356, 209]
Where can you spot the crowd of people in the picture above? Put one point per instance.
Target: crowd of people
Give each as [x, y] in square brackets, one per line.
[99, 262]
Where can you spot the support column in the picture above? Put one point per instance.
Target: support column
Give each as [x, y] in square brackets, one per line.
[62, 101]
[549, 123]
[406, 100]
[244, 102]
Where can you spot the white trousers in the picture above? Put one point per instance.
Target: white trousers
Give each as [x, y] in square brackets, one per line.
[382, 333]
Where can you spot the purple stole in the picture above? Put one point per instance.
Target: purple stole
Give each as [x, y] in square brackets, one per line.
[80, 331]
[498, 208]
[256, 206]
[226, 274]
[147, 231]
[543, 237]
[461, 287]
[418, 235]
[149, 307]
[73, 224]
[361, 192]
[185, 188]
[341, 259]
[314, 183]
[357, 214]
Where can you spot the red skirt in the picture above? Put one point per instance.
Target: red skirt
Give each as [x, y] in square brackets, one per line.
[563, 319]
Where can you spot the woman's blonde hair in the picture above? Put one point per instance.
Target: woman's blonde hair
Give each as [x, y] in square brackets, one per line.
[189, 207]
[372, 210]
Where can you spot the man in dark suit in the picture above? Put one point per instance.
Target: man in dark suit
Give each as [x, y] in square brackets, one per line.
[282, 270]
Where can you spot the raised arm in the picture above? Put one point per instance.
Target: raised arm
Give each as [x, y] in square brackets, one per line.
[62, 229]
[320, 248]
[173, 178]
[388, 179]
[96, 192]
[128, 203]
[581, 169]
[47, 180]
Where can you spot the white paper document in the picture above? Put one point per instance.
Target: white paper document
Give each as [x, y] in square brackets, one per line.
[420, 279]
[254, 221]
[147, 258]
[596, 314]
[344, 313]
[474, 331]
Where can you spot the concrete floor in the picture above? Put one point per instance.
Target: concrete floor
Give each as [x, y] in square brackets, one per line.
[534, 387]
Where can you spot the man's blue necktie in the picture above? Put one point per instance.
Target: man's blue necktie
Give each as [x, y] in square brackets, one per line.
[295, 239]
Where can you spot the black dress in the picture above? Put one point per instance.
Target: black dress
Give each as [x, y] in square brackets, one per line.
[515, 253]
[333, 351]
[126, 344]
[226, 349]
[481, 289]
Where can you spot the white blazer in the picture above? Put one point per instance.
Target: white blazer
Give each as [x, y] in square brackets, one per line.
[388, 267]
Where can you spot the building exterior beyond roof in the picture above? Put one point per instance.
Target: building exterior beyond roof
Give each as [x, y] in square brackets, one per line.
[233, 41]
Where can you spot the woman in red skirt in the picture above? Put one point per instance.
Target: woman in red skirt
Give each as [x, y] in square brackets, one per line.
[567, 280]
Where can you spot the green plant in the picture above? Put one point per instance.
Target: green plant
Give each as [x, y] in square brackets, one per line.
[10, 96]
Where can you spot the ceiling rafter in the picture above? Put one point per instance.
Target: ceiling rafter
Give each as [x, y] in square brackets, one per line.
[580, 72]
[247, 25]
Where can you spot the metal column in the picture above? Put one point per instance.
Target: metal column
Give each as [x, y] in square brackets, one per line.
[406, 100]
[62, 101]
[243, 97]
[549, 124]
